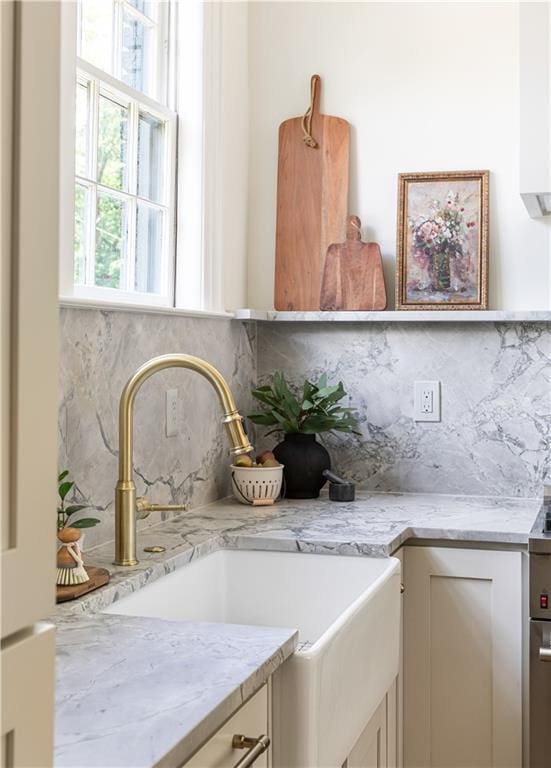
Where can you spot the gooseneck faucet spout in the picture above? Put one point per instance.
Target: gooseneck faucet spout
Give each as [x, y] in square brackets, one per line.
[127, 507]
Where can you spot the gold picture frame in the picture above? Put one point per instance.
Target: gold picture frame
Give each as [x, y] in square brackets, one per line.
[442, 240]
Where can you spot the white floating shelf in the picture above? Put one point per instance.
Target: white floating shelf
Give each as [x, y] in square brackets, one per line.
[393, 316]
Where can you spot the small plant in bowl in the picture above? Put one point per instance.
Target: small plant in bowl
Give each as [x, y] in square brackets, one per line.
[301, 414]
[64, 485]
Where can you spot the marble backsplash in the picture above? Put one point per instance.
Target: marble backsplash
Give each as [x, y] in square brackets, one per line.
[495, 433]
[99, 350]
[494, 437]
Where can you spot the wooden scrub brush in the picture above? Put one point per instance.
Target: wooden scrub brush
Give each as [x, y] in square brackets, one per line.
[70, 567]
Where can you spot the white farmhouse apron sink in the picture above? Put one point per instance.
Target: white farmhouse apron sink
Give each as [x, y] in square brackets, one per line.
[347, 611]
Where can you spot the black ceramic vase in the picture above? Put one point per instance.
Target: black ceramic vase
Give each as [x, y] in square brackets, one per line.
[304, 460]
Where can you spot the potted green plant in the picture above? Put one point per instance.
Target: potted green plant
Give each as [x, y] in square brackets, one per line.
[70, 565]
[63, 512]
[301, 414]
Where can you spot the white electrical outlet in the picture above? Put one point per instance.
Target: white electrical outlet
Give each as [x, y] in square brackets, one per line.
[171, 412]
[426, 401]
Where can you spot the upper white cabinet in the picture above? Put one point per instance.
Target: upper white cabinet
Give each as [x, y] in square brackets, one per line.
[535, 106]
[462, 658]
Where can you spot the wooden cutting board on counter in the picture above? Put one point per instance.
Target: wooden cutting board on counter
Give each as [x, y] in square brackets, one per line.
[353, 276]
[99, 577]
[312, 201]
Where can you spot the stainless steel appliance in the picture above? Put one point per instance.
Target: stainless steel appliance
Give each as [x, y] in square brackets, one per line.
[539, 547]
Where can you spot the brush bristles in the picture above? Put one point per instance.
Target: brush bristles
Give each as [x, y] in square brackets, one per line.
[69, 576]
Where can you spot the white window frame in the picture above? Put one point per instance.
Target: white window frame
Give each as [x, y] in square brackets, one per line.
[197, 255]
[100, 82]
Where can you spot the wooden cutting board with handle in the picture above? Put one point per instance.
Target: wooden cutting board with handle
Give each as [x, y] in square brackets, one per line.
[312, 201]
[353, 276]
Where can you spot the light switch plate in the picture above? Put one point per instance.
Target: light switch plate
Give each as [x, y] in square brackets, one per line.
[426, 401]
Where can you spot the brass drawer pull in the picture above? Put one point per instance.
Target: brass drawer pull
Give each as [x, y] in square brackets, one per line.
[254, 746]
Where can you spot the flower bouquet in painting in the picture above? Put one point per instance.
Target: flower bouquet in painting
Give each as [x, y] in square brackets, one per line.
[442, 244]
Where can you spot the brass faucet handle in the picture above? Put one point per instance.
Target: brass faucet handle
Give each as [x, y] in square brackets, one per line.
[143, 507]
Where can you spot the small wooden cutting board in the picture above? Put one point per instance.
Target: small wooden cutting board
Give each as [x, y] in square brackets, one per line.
[99, 577]
[353, 276]
[312, 201]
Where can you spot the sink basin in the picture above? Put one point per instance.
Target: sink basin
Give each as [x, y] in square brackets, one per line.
[347, 611]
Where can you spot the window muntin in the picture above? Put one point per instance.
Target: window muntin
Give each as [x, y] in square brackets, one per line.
[125, 156]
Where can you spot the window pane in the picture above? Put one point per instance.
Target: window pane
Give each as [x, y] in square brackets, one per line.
[144, 6]
[81, 216]
[111, 240]
[96, 33]
[112, 144]
[81, 131]
[150, 157]
[135, 53]
[148, 249]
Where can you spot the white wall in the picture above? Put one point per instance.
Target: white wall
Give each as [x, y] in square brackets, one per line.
[234, 147]
[425, 86]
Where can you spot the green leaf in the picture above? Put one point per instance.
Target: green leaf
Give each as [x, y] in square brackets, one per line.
[85, 522]
[307, 405]
[326, 392]
[279, 384]
[264, 419]
[75, 508]
[337, 395]
[293, 404]
[64, 489]
[265, 397]
[278, 417]
[323, 381]
[63, 475]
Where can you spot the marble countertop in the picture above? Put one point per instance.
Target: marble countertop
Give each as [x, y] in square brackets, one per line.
[141, 692]
[376, 524]
[131, 691]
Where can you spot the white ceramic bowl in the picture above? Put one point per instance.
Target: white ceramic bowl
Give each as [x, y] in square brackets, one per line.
[251, 484]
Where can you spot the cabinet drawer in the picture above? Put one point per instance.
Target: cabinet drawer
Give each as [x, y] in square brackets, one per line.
[251, 721]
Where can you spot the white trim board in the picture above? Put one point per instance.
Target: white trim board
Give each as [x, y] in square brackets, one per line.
[403, 316]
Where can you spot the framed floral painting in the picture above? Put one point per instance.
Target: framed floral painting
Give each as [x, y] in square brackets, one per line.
[442, 249]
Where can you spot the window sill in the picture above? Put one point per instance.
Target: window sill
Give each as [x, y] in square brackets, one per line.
[113, 306]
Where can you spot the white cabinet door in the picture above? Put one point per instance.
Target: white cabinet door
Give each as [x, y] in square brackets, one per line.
[462, 658]
[251, 721]
[27, 698]
[377, 746]
[371, 749]
[29, 223]
[29, 208]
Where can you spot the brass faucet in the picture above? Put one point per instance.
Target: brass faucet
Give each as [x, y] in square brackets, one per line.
[127, 507]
